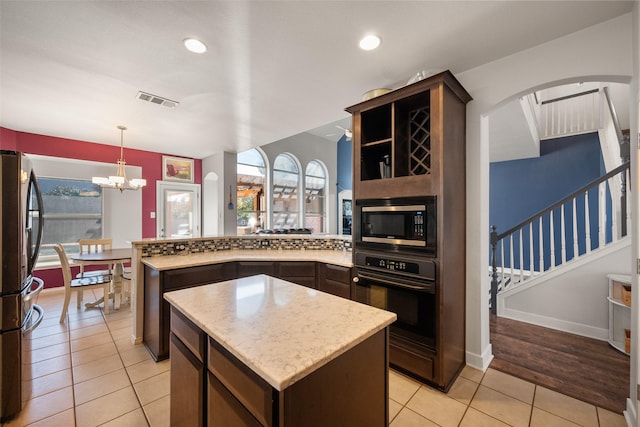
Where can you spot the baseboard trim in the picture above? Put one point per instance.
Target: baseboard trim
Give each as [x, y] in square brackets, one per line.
[480, 361]
[630, 414]
[558, 324]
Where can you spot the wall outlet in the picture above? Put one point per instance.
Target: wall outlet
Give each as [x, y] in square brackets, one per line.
[152, 215]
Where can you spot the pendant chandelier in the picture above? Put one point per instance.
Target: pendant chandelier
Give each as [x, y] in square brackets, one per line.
[120, 181]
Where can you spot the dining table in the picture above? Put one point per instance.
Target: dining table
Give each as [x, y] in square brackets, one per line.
[112, 257]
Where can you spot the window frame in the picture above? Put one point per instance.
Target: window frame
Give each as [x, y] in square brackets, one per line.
[324, 214]
[299, 206]
[71, 247]
[265, 212]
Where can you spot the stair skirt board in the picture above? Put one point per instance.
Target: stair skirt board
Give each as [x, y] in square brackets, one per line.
[517, 287]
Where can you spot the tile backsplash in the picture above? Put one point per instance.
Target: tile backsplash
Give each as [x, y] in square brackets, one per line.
[176, 247]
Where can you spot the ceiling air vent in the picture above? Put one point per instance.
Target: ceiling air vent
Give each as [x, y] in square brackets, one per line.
[154, 99]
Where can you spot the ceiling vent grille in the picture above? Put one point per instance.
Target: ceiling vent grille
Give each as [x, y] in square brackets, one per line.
[154, 99]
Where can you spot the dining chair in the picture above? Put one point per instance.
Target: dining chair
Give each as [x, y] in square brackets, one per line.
[93, 245]
[85, 283]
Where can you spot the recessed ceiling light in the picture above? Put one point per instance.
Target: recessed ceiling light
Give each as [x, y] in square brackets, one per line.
[369, 42]
[195, 46]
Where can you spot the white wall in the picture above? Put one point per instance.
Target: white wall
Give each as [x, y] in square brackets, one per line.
[210, 204]
[224, 166]
[122, 212]
[571, 299]
[599, 53]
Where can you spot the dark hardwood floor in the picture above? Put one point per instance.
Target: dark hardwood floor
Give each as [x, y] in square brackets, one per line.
[584, 368]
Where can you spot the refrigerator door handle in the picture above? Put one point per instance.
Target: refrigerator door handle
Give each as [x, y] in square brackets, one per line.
[34, 293]
[34, 323]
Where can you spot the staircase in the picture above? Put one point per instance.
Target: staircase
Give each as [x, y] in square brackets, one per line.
[545, 269]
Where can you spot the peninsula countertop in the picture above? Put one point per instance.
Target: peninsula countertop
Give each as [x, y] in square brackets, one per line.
[282, 331]
[342, 258]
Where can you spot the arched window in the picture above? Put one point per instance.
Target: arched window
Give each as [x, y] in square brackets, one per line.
[251, 201]
[315, 197]
[286, 204]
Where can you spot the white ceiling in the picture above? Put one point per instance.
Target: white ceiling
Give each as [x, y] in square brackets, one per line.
[273, 69]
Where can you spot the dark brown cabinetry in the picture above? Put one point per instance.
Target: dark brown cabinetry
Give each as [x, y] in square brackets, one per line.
[325, 277]
[188, 358]
[419, 130]
[212, 387]
[334, 279]
[252, 268]
[156, 309]
[300, 272]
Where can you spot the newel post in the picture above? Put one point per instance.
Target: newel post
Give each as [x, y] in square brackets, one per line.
[494, 270]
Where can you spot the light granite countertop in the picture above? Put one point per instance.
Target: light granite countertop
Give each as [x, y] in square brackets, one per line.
[282, 331]
[170, 262]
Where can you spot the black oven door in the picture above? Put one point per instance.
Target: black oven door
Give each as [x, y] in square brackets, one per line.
[413, 301]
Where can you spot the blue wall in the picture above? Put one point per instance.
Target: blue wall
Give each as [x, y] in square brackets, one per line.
[521, 188]
[344, 164]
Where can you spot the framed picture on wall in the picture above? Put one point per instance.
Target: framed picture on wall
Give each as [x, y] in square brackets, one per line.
[177, 169]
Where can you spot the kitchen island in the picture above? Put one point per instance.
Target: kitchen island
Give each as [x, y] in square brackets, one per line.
[264, 351]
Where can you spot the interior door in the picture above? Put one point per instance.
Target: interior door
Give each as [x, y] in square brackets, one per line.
[178, 210]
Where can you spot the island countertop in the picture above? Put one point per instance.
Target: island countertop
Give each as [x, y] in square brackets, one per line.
[282, 331]
[343, 258]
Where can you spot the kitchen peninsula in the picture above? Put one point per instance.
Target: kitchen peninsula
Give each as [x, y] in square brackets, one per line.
[263, 351]
[321, 262]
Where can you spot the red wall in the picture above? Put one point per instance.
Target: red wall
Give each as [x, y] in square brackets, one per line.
[151, 163]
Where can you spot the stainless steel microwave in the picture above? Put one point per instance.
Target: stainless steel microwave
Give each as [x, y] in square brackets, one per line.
[396, 224]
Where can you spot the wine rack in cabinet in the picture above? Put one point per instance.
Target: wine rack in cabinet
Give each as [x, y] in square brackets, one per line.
[408, 142]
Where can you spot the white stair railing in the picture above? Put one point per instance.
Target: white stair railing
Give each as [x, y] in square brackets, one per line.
[518, 245]
[571, 115]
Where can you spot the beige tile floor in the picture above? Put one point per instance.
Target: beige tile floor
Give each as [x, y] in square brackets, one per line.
[87, 373]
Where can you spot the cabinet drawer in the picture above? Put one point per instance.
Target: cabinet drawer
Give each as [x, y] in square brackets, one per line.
[184, 277]
[252, 392]
[296, 269]
[336, 288]
[338, 273]
[420, 364]
[224, 409]
[190, 335]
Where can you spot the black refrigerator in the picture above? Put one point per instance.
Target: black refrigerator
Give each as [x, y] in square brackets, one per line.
[20, 237]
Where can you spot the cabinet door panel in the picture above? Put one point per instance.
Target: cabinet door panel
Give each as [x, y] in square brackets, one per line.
[251, 268]
[254, 393]
[296, 269]
[153, 313]
[189, 334]
[224, 410]
[183, 277]
[336, 288]
[309, 282]
[187, 386]
[335, 280]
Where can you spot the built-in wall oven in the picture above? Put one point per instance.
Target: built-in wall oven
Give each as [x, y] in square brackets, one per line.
[406, 285]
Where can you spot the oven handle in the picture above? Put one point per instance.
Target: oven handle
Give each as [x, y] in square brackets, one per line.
[400, 283]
